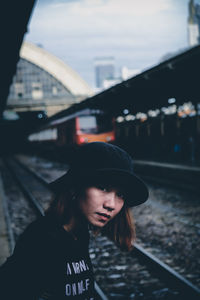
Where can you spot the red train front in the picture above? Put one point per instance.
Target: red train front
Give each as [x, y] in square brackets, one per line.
[93, 128]
[83, 127]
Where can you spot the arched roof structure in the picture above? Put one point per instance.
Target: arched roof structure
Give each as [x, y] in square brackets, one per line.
[56, 67]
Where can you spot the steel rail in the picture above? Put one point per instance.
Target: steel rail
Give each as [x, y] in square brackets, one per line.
[11, 238]
[167, 273]
[37, 176]
[37, 206]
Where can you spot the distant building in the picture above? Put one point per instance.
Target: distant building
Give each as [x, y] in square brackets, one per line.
[44, 82]
[107, 83]
[104, 70]
[128, 73]
[194, 23]
[124, 74]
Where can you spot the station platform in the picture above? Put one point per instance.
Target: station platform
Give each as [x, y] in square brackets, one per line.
[183, 176]
[189, 167]
[4, 243]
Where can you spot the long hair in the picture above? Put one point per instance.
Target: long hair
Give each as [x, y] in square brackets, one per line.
[121, 229]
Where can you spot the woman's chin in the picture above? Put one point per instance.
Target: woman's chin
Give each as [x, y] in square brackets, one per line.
[97, 223]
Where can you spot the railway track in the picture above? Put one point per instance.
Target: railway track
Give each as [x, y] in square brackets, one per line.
[183, 288]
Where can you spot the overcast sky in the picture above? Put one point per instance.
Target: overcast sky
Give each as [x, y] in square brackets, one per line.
[136, 32]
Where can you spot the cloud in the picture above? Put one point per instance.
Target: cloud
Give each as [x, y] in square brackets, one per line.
[111, 7]
[98, 16]
[127, 21]
[82, 29]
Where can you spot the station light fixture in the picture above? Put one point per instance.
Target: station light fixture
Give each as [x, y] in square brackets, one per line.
[10, 115]
[120, 119]
[170, 110]
[141, 116]
[153, 113]
[171, 100]
[187, 109]
[130, 118]
[125, 111]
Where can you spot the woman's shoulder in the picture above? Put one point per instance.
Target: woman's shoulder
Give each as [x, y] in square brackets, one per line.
[38, 227]
[36, 233]
[46, 232]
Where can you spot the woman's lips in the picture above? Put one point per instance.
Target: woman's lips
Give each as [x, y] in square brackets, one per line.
[103, 216]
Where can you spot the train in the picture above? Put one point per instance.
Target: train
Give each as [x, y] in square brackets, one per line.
[82, 127]
[166, 137]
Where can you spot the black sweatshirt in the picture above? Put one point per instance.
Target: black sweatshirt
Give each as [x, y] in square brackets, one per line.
[48, 263]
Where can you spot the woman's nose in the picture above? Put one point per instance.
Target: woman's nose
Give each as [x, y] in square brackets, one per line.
[109, 202]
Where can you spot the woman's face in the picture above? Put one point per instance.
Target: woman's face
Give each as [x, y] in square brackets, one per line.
[101, 204]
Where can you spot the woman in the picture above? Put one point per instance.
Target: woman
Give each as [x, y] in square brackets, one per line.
[51, 259]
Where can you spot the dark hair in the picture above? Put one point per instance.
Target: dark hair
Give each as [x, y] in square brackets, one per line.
[121, 229]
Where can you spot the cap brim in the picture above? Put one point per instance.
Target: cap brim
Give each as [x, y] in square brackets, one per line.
[135, 189]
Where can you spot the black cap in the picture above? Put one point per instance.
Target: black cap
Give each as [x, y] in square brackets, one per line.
[100, 162]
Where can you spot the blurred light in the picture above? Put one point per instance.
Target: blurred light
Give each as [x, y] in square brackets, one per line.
[108, 138]
[171, 100]
[172, 109]
[125, 111]
[169, 110]
[120, 119]
[44, 135]
[83, 140]
[163, 109]
[40, 116]
[153, 113]
[193, 113]
[141, 116]
[187, 109]
[10, 115]
[130, 118]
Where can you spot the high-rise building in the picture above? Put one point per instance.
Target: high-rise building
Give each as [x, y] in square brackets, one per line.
[194, 23]
[104, 69]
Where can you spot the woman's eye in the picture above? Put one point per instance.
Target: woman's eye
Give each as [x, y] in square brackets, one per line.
[121, 195]
[102, 188]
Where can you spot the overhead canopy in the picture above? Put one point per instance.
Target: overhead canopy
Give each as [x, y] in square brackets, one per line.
[14, 16]
[177, 77]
